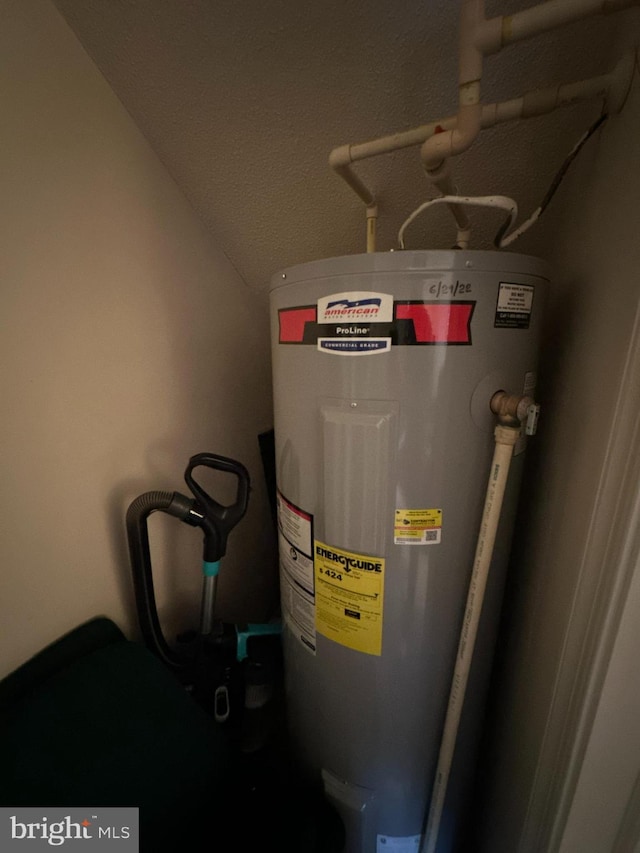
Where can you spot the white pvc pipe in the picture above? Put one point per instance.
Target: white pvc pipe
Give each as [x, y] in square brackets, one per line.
[479, 37]
[553, 97]
[496, 33]
[340, 160]
[534, 102]
[446, 188]
[505, 439]
[441, 146]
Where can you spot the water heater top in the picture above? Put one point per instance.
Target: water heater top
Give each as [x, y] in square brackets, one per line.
[412, 261]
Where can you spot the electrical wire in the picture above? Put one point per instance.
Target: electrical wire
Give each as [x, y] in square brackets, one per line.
[496, 201]
[502, 238]
[505, 237]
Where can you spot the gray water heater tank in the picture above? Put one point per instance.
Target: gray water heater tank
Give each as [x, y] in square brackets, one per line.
[383, 369]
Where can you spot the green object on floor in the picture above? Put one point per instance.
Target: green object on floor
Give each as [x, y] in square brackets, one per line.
[96, 720]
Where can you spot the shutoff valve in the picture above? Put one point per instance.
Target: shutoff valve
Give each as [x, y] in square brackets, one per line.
[513, 410]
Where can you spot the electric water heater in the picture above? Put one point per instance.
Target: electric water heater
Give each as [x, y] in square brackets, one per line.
[384, 366]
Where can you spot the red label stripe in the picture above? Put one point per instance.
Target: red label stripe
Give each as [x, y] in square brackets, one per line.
[433, 322]
[292, 323]
[439, 322]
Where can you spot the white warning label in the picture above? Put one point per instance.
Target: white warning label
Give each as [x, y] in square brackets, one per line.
[297, 585]
[513, 309]
[295, 525]
[298, 608]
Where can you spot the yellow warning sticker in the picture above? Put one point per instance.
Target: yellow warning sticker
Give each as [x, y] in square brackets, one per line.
[349, 593]
[417, 527]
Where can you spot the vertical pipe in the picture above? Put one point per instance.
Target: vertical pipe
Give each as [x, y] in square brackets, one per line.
[441, 146]
[505, 439]
[372, 220]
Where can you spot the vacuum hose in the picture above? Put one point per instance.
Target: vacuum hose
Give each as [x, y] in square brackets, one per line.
[184, 508]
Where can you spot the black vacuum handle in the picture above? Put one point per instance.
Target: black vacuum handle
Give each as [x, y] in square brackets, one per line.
[219, 520]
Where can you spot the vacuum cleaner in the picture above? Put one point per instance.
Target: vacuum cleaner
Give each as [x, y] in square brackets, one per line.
[230, 669]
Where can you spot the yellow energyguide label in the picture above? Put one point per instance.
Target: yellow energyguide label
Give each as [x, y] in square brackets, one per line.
[349, 595]
[417, 527]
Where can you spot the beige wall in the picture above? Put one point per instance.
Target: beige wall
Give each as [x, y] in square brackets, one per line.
[127, 343]
[591, 239]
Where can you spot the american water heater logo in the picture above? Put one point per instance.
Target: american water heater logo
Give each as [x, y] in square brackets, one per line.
[105, 829]
[356, 307]
[348, 306]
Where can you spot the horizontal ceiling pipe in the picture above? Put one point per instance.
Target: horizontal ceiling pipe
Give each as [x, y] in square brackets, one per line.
[532, 103]
[479, 36]
[496, 33]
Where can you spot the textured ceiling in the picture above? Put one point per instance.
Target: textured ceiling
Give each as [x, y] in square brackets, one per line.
[243, 102]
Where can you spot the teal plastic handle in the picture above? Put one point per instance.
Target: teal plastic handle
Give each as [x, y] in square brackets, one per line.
[256, 629]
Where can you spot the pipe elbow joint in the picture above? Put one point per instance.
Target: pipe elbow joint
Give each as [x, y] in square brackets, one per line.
[488, 35]
[340, 157]
[448, 143]
[463, 137]
[436, 151]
